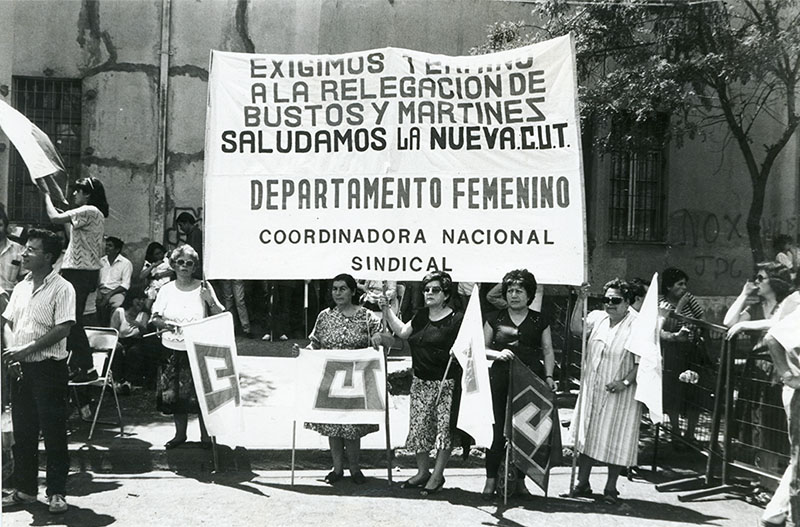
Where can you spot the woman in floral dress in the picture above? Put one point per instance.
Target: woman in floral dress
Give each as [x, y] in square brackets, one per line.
[344, 326]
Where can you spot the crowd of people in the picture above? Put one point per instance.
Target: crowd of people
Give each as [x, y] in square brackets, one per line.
[49, 295]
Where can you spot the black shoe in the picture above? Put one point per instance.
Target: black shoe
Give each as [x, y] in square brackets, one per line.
[611, 497]
[174, 443]
[81, 375]
[408, 484]
[580, 491]
[333, 477]
[358, 477]
[425, 492]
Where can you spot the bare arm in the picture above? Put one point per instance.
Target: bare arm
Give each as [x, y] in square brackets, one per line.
[398, 327]
[54, 335]
[735, 313]
[53, 213]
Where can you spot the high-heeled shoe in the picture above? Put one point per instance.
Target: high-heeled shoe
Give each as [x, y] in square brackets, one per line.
[333, 477]
[408, 484]
[425, 492]
[174, 443]
[488, 495]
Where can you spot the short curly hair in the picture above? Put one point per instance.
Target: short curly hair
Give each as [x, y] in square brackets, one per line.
[523, 277]
[623, 287]
[444, 280]
[183, 250]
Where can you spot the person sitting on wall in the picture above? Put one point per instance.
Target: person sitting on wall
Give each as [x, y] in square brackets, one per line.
[115, 279]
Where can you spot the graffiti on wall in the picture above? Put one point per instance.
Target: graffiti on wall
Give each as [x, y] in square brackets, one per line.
[715, 236]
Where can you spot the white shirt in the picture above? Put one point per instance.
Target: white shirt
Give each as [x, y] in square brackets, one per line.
[115, 274]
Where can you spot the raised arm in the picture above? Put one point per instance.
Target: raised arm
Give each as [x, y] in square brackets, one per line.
[735, 313]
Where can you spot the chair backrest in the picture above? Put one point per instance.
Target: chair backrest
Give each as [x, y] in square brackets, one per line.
[105, 340]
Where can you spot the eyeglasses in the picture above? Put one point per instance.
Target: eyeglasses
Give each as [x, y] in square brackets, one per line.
[433, 289]
[186, 263]
[759, 278]
[613, 300]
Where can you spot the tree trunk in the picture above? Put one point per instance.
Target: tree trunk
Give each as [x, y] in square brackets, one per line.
[754, 219]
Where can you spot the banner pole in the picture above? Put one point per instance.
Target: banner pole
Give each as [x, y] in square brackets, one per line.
[214, 453]
[386, 409]
[444, 378]
[577, 419]
[505, 475]
[305, 307]
[294, 438]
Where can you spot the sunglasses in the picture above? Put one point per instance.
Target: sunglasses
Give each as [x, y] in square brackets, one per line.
[613, 300]
[433, 289]
[186, 263]
[759, 278]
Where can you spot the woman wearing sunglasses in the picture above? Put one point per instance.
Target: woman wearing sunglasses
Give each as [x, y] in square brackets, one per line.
[772, 284]
[680, 347]
[516, 331]
[607, 429]
[430, 334]
[179, 302]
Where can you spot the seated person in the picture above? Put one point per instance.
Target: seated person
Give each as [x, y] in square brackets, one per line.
[130, 320]
[115, 279]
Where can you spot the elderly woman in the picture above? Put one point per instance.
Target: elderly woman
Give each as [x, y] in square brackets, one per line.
[516, 331]
[430, 334]
[344, 326]
[81, 265]
[607, 428]
[179, 302]
[679, 346]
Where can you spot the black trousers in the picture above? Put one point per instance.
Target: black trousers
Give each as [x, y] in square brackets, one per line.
[39, 403]
[84, 282]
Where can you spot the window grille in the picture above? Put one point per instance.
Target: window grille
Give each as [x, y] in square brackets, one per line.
[54, 105]
[638, 179]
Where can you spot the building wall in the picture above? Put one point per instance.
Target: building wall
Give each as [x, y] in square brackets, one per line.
[115, 48]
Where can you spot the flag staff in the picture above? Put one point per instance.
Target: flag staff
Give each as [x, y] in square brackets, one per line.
[386, 410]
[577, 418]
[294, 437]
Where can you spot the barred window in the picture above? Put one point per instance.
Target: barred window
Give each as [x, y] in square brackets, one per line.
[54, 105]
[638, 181]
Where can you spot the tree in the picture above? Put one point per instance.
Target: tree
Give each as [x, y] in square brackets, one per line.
[704, 63]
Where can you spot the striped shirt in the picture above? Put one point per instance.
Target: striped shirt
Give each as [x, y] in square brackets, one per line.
[86, 245]
[33, 313]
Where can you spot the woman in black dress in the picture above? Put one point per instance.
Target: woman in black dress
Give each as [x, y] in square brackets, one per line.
[517, 331]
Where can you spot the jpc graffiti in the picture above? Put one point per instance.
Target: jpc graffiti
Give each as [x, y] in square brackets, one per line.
[708, 230]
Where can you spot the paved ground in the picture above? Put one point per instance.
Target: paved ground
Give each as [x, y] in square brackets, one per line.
[132, 480]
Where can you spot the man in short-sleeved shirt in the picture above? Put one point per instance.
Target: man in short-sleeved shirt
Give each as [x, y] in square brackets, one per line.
[115, 279]
[40, 314]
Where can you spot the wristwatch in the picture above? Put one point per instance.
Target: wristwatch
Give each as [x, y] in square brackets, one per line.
[626, 382]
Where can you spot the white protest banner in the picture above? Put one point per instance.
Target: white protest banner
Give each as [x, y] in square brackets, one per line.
[340, 386]
[33, 145]
[211, 348]
[390, 163]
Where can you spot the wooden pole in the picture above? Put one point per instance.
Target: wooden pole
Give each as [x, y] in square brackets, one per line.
[294, 442]
[386, 409]
[577, 414]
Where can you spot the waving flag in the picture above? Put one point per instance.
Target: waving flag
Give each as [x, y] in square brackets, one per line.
[645, 342]
[533, 427]
[211, 347]
[340, 386]
[475, 415]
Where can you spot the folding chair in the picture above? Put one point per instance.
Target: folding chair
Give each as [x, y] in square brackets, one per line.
[103, 342]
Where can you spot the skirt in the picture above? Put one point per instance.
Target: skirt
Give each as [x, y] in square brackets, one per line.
[351, 432]
[175, 393]
[429, 426]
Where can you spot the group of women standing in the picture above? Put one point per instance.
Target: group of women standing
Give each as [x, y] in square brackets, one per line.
[515, 331]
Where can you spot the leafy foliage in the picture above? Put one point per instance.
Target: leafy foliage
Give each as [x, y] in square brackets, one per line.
[704, 63]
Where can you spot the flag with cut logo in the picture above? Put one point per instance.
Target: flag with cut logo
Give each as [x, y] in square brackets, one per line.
[340, 386]
[475, 415]
[211, 348]
[645, 342]
[532, 424]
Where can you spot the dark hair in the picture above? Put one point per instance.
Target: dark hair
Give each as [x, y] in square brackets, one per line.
[638, 287]
[781, 240]
[51, 243]
[444, 280]
[349, 281]
[622, 285]
[149, 253]
[670, 277]
[116, 242]
[185, 217]
[779, 279]
[525, 278]
[132, 295]
[96, 191]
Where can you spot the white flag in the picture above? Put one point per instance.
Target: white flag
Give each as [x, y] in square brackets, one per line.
[340, 386]
[211, 347]
[33, 145]
[475, 415]
[645, 342]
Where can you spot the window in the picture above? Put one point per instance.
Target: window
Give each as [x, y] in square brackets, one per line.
[54, 105]
[638, 176]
